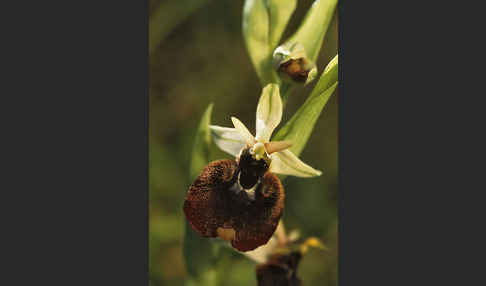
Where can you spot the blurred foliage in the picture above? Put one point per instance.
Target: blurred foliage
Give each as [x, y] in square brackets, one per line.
[162, 23]
[204, 59]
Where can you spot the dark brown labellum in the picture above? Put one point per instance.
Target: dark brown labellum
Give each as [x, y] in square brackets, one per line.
[219, 204]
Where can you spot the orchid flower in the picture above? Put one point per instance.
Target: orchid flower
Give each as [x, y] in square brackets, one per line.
[242, 200]
[268, 117]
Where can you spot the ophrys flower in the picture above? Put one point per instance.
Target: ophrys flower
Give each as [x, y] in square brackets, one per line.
[268, 117]
[242, 200]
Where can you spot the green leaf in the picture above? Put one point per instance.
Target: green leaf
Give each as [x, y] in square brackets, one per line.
[299, 128]
[200, 150]
[200, 254]
[280, 12]
[162, 22]
[314, 27]
[263, 24]
[328, 77]
[256, 34]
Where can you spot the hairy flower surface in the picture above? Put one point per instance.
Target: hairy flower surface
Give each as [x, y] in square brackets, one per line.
[242, 200]
[216, 207]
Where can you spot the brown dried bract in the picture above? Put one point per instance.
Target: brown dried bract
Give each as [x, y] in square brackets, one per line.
[280, 270]
[213, 203]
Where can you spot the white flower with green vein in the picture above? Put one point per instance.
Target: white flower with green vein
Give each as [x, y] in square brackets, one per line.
[268, 117]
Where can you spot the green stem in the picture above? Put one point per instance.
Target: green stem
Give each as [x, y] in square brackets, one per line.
[285, 90]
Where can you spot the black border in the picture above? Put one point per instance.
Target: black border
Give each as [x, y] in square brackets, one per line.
[401, 126]
[76, 181]
[75, 116]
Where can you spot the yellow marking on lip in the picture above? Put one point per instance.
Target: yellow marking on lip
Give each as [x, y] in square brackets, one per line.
[227, 234]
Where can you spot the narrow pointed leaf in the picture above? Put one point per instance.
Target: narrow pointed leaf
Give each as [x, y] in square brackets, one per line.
[299, 128]
[256, 22]
[286, 163]
[280, 12]
[200, 254]
[227, 139]
[269, 112]
[200, 150]
[314, 27]
[328, 77]
[255, 31]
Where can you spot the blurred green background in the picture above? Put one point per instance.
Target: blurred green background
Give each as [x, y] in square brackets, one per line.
[202, 59]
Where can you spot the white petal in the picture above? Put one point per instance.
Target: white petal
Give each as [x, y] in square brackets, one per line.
[260, 254]
[286, 163]
[277, 146]
[227, 139]
[245, 134]
[269, 112]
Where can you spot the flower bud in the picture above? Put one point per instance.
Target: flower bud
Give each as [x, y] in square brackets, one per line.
[291, 62]
[281, 269]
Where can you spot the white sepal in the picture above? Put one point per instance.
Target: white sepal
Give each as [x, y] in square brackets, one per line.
[245, 134]
[286, 163]
[227, 139]
[269, 112]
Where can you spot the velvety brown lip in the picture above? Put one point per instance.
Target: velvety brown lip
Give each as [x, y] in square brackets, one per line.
[210, 204]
